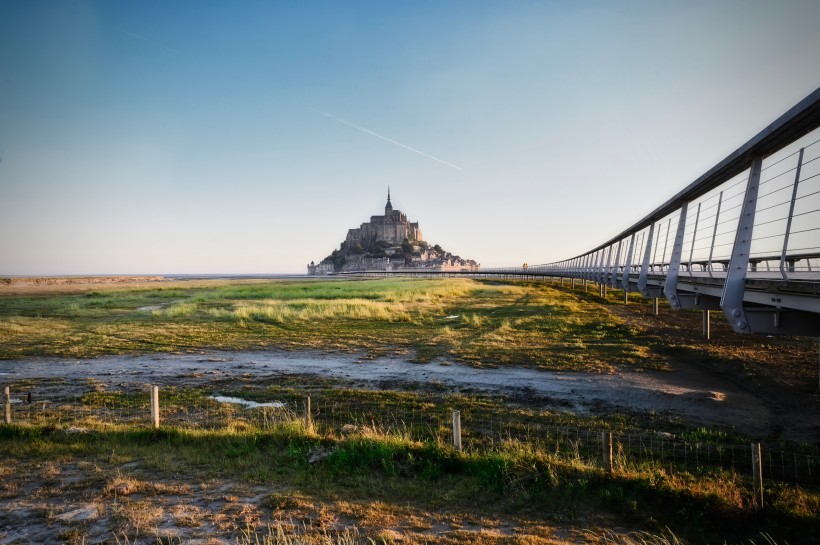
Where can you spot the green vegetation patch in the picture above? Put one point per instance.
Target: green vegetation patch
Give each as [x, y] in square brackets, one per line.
[482, 323]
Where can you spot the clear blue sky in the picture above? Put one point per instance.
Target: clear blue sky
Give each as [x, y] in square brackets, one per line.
[186, 137]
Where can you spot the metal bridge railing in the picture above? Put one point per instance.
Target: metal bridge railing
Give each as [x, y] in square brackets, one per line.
[743, 238]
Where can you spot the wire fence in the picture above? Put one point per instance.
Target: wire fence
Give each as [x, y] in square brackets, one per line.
[476, 431]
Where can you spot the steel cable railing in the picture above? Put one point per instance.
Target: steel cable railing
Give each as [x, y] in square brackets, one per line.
[744, 237]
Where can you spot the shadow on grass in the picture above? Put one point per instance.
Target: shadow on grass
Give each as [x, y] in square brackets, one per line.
[391, 469]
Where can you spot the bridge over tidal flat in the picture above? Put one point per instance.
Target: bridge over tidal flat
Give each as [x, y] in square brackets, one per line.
[744, 238]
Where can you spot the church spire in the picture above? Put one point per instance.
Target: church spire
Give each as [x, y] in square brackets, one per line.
[388, 206]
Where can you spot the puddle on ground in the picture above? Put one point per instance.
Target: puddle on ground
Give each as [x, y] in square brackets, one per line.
[246, 403]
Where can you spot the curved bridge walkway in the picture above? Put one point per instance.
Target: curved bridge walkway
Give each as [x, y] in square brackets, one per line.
[744, 238]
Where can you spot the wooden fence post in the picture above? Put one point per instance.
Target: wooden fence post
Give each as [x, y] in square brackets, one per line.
[707, 329]
[606, 440]
[155, 407]
[757, 475]
[7, 403]
[457, 430]
[308, 416]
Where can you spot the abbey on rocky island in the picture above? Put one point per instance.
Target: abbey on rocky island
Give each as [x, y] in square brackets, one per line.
[388, 242]
[392, 228]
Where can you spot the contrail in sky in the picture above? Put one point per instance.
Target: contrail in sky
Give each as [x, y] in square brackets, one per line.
[144, 39]
[377, 135]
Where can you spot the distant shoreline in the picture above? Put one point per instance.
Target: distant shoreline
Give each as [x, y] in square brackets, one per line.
[63, 280]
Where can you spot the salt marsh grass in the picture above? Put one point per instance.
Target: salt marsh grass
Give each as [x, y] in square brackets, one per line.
[282, 312]
[493, 322]
[448, 319]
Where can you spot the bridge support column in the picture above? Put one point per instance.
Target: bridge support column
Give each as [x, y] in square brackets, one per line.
[671, 285]
[735, 284]
[655, 306]
[562, 281]
[707, 329]
[643, 277]
[626, 297]
[573, 283]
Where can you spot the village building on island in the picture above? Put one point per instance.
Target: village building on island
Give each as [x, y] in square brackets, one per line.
[388, 243]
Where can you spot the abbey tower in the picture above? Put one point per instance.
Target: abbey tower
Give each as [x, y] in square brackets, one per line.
[392, 228]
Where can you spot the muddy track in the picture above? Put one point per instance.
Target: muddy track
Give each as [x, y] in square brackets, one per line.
[696, 394]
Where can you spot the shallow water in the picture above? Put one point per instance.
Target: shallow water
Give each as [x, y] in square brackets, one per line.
[248, 404]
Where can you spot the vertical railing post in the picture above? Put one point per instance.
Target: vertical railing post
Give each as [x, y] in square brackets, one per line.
[457, 430]
[593, 274]
[605, 269]
[628, 264]
[613, 281]
[643, 278]
[714, 235]
[694, 237]
[655, 253]
[791, 215]
[666, 242]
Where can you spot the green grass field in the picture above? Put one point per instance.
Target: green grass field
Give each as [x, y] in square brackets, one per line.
[482, 323]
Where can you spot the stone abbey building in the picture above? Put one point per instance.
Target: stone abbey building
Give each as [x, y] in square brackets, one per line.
[388, 242]
[392, 228]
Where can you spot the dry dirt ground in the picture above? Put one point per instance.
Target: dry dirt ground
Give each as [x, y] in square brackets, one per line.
[94, 503]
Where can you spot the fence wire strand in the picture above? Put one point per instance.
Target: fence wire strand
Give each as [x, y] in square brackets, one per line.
[480, 432]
